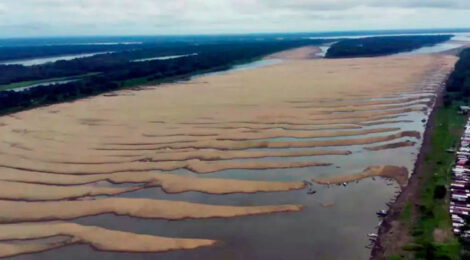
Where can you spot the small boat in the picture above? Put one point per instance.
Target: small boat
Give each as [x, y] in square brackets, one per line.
[382, 213]
[451, 150]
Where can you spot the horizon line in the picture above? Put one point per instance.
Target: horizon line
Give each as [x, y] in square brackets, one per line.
[352, 32]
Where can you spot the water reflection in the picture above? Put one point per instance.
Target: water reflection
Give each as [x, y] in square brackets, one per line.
[57, 82]
[441, 47]
[39, 61]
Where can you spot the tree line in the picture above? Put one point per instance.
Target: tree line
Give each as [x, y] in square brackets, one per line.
[382, 45]
[459, 79]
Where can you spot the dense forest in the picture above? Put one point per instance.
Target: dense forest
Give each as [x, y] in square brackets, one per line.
[121, 62]
[23, 48]
[382, 45]
[24, 52]
[459, 79]
[112, 70]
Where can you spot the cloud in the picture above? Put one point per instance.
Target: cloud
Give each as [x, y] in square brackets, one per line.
[78, 17]
[2, 9]
[348, 4]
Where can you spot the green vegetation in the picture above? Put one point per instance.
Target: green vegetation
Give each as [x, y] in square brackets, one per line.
[459, 81]
[406, 214]
[382, 45]
[433, 212]
[431, 226]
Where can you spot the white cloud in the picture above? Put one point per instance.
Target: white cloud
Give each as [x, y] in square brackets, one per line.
[91, 17]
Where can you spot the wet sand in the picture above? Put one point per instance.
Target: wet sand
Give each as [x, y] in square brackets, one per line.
[54, 187]
[99, 238]
[399, 174]
[301, 53]
[390, 146]
[253, 133]
[19, 211]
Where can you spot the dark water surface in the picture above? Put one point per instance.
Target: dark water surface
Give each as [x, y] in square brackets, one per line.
[317, 232]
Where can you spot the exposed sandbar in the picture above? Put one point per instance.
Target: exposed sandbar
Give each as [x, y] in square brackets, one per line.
[18, 211]
[345, 104]
[302, 134]
[197, 166]
[168, 182]
[385, 122]
[390, 146]
[283, 127]
[399, 174]
[197, 154]
[241, 145]
[307, 52]
[98, 238]
[36, 192]
[380, 107]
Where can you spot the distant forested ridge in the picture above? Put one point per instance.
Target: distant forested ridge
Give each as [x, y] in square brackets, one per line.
[114, 71]
[459, 79]
[382, 45]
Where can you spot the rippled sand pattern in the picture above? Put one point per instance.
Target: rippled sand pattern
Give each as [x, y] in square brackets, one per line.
[72, 160]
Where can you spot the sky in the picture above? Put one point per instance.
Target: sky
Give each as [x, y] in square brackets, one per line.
[26, 18]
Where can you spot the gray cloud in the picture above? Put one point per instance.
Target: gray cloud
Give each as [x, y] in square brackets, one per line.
[224, 16]
[348, 4]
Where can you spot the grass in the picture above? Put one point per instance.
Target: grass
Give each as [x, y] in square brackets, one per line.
[432, 212]
[405, 216]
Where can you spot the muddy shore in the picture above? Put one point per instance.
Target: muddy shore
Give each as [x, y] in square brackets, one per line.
[391, 234]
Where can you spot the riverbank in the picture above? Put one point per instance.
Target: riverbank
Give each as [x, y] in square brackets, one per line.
[418, 224]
